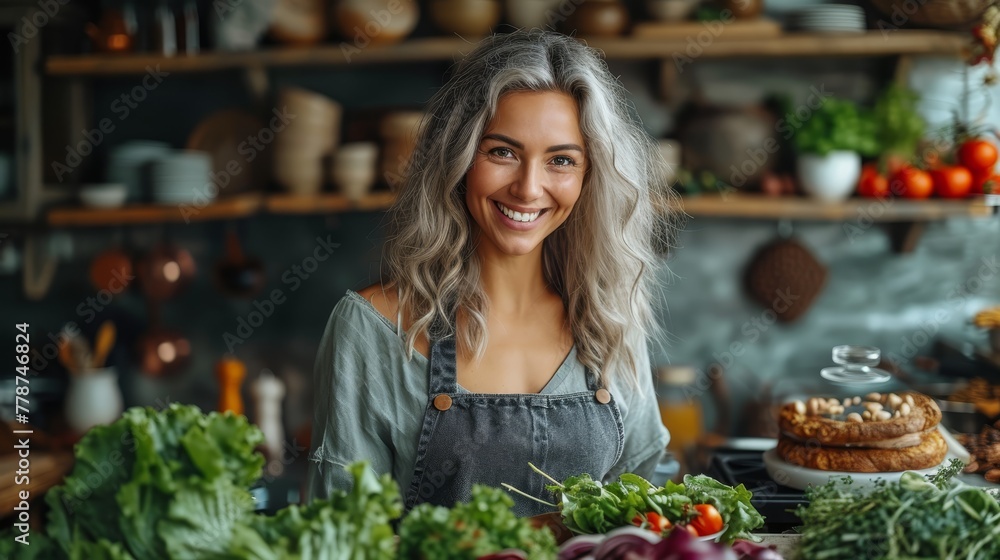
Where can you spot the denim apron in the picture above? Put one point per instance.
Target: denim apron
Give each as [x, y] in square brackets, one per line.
[474, 438]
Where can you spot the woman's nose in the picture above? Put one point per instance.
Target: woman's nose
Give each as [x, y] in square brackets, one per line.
[530, 182]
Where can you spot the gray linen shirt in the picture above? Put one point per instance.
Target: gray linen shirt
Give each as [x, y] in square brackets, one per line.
[369, 402]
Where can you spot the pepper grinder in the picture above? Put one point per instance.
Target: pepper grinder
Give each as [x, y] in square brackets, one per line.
[267, 392]
[230, 373]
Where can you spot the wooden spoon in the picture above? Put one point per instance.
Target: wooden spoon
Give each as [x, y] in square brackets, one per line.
[103, 344]
[66, 356]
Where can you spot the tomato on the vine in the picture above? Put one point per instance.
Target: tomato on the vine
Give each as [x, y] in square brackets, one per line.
[911, 182]
[872, 183]
[708, 521]
[977, 154]
[952, 181]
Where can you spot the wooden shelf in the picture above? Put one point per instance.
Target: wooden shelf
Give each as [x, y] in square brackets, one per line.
[238, 206]
[762, 207]
[327, 203]
[870, 43]
[231, 208]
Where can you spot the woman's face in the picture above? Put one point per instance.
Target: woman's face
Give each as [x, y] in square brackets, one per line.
[528, 171]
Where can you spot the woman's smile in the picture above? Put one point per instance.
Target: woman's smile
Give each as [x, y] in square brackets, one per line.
[528, 172]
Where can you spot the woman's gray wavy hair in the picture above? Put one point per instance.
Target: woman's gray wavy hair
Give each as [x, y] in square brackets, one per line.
[602, 261]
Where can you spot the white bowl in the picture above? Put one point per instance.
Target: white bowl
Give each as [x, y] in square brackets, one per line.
[829, 178]
[103, 195]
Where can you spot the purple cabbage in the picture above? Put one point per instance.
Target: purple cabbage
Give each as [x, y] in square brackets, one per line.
[509, 554]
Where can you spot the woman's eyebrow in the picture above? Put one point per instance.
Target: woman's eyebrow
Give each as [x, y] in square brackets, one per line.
[520, 146]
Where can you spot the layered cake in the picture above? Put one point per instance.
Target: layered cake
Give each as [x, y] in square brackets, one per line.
[876, 433]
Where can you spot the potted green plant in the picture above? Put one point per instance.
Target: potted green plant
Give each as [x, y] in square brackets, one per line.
[830, 144]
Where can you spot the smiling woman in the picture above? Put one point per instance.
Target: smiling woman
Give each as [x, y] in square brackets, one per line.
[521, 272]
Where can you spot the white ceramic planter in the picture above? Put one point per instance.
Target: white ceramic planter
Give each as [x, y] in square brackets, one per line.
[829, 178]
[93, 399]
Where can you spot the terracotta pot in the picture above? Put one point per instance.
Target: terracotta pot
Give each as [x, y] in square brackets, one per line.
[466, 17]
[598, 18]
[744, 9]
[375, 22]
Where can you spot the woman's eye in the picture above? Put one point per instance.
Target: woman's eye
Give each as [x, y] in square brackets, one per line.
[563, 161]
[502, 152]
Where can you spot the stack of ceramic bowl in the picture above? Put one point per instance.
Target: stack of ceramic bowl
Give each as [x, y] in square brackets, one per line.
[832, 18]
[399, 131]
[354, 169]
[311, 135]
[127, 161]
[182, 177]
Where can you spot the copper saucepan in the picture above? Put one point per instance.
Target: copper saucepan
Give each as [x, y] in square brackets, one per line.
[162, 351]
[165, 271]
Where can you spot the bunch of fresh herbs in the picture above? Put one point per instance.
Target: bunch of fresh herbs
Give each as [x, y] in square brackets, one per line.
[485, 525]
[916, 517]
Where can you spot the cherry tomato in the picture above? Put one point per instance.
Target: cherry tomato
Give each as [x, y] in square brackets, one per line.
[708, 522]
[657, 522]
[911, 182]
[653, 521]
[977, 154]
[872, 183]
[952, 181]
[690, 529]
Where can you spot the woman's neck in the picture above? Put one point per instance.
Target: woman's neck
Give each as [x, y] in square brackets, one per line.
[515, 284]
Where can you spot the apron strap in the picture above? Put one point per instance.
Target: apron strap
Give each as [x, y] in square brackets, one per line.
[443, 371]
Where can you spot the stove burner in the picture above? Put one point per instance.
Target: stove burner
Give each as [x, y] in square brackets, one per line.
[774, 501]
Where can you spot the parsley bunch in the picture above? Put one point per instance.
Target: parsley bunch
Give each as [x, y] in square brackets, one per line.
[916, 517]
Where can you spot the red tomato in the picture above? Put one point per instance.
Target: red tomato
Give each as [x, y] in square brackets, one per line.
[911, 183]
[952, 181]
[978, 154]
[708, 522]
[872, 183]
[690, 529]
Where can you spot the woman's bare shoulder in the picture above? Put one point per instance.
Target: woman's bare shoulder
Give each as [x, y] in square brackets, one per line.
[383, 298]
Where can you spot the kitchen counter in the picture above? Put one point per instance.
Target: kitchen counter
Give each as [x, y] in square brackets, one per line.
[785, 543]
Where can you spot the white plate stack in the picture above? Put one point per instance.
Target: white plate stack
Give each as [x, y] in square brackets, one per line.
[832, 18]
[126, 161]
[182, 177]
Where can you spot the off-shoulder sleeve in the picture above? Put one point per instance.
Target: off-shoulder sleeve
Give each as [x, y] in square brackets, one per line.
[348, 423]
[645, 436]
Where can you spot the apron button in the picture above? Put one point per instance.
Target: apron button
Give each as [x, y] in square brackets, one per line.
[442, 402]
[602, 396]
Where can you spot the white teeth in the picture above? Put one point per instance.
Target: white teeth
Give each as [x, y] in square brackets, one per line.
[518, 216]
